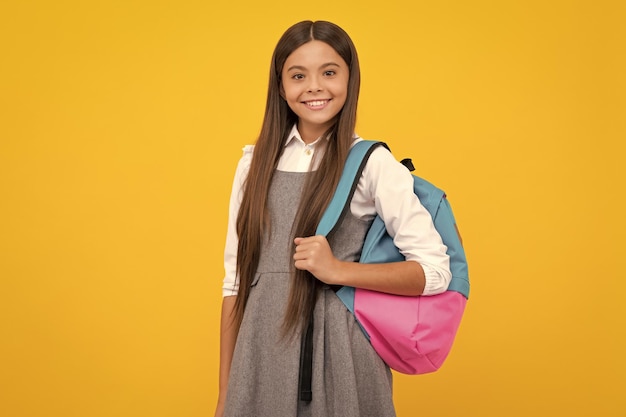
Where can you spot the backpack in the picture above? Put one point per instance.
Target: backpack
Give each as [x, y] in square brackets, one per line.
[413, 335]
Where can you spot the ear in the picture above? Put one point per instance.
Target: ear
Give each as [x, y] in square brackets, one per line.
[281, 90]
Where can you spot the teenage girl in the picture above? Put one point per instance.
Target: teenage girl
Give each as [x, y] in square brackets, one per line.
[279, 277]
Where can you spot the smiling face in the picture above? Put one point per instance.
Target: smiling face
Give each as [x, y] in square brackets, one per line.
[315, 86]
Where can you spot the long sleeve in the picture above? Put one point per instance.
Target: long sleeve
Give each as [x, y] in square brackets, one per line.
[386, 189]
[231, 282]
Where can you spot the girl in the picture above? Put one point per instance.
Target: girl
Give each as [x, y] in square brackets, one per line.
[279, 277]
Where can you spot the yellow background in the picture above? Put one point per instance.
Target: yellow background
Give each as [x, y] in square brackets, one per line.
[121, 123]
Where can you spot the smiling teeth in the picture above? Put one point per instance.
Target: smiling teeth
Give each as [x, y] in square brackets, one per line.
[316, 103]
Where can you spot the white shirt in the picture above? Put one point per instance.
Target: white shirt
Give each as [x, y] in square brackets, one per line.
[385, 189]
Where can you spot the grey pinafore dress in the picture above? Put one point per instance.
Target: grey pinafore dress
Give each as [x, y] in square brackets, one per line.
[349, 378]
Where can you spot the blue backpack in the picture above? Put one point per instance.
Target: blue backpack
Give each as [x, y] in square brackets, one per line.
[413, 335]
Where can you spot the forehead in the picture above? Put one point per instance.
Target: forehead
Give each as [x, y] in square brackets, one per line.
[312, 55]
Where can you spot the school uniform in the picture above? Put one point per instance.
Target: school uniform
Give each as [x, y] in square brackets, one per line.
[349, 379]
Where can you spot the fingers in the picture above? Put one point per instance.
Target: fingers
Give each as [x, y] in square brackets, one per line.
[313, 254]
[310, 251]
[310, 239]
[304, 244]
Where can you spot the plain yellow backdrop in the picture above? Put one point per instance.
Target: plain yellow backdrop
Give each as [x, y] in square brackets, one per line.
[121, 123]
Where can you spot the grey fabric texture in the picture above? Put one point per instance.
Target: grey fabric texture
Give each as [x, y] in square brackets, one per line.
[349, 378]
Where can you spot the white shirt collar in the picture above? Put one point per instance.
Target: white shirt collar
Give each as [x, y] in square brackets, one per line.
[294, 134]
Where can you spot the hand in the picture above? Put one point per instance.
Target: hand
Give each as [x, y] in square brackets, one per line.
[313, 254]
[219, 410]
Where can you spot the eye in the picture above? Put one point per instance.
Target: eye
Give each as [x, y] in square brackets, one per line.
[297, 76]
[329, 73]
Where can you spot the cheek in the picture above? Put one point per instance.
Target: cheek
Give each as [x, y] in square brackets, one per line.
[291, 99]
[290, 93]
[342, 92]
[342, 88]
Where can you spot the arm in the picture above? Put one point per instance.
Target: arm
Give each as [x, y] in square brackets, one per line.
[231, 281]
[314, 255]
[228, 337]
[228, 330]
[385, 189]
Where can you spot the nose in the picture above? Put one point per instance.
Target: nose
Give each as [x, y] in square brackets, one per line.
[315, 85]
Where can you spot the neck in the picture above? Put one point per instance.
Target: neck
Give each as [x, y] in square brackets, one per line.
[310, 134]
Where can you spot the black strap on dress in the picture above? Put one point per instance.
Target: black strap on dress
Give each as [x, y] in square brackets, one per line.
[306, 363]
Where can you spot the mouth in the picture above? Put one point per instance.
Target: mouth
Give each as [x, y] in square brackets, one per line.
[316, 104]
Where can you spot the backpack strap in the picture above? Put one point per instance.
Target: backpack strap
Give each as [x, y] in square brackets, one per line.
[352, 170]
[338, 206]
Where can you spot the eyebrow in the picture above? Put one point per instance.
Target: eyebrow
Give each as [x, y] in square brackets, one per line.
[301, 68]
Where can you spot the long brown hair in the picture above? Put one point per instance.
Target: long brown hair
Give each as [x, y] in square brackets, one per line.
[253, 219]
